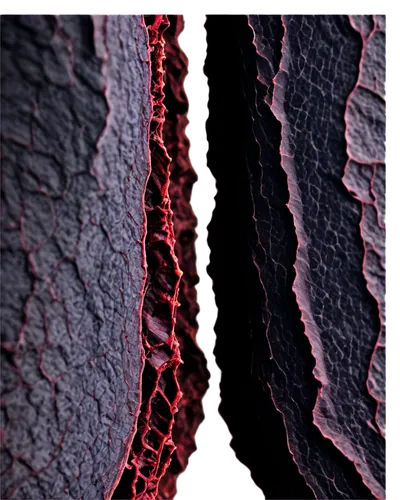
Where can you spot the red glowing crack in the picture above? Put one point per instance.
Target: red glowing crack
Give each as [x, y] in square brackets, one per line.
[152, 446]
[192, 373]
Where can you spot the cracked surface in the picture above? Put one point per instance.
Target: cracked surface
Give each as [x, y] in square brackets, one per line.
[91, 206]
[75, 162]
[152, 446]
[365, 179]
[311, 338]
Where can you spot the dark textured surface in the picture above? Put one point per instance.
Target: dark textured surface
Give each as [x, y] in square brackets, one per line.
[340, 314]
[297, 145]
[75, 117]
[365, 179]
[242, 350]
[294, 390]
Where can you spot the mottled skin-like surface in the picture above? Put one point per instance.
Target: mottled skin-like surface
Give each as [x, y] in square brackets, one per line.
[328, 103]
[365, 179]
[75, 160]
[293, 390]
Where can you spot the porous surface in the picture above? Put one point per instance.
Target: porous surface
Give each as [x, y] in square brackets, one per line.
[75, 160]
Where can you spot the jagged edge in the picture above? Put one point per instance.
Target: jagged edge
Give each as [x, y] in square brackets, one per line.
[229, 432]
[301, 264]
[172, 341]
[260, 277]
[171, 478]
[378, 344]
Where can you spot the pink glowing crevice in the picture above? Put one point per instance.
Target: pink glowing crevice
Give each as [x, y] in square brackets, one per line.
[152, 446]
[166, 283]
[192, 373]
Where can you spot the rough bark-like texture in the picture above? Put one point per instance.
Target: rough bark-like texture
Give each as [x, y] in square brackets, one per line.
[75, 160]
